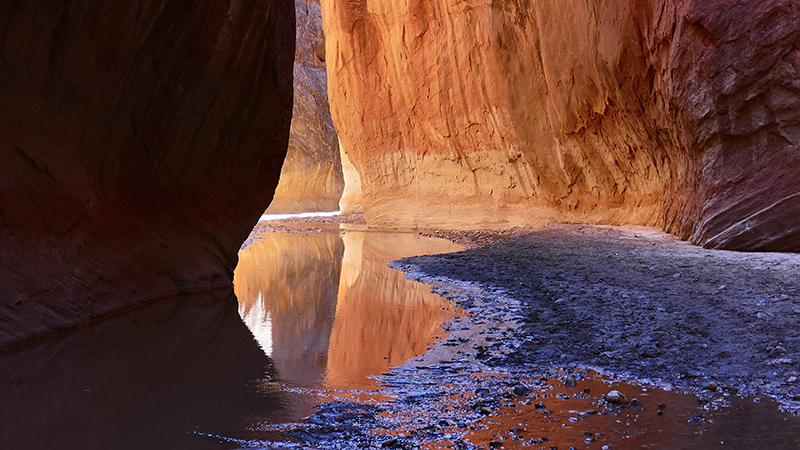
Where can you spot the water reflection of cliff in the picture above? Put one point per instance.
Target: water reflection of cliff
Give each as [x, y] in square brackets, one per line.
[328, 309]
[287, 285]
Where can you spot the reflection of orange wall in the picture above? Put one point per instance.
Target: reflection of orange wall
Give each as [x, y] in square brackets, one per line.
[328, 308]
[297, 279]
[382, 319]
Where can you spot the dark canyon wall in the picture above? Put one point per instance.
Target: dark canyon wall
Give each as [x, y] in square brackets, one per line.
[311, 178]
[139, 143]
[683, 115]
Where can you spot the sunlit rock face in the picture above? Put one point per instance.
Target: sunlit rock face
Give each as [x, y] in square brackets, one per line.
[311, 179]
[140, 144]
[683, 115]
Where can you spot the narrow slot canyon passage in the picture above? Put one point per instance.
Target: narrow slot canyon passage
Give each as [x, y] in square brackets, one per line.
[328, 224]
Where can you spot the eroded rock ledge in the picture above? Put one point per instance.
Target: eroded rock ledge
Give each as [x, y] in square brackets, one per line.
[681, 115]
[140, 144]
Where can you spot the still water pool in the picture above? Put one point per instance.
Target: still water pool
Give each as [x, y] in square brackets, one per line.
[317, 315]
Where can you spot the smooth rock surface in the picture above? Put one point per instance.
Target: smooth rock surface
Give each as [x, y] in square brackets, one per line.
[311, 178]
[140, 144]
[682, 115]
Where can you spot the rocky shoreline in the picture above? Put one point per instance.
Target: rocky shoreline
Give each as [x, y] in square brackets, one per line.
[634, 301]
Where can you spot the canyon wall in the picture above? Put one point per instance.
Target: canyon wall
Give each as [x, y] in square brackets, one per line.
[311, 178]
[139, 143]
[682, 115]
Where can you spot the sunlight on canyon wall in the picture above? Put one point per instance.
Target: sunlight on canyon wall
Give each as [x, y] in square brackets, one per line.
[311, 176]
[682, 115]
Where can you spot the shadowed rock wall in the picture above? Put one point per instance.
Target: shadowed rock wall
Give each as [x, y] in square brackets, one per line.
[311, 178]
[139, 144]
[683, 115]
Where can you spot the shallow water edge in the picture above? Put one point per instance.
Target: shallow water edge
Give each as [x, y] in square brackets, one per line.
[471, 381]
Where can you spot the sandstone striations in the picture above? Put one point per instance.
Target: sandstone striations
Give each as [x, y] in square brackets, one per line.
[683, 115]
[140, 143]
[311, 178]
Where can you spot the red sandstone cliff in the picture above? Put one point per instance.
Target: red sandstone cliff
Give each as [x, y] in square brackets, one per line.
[311, 177]
[139, 144]
[683, 115]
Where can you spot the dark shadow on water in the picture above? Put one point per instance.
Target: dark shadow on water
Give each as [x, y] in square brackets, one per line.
[150, 379]
[322, 313]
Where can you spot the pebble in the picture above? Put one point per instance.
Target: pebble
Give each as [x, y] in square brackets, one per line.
[711, 387]
[635, 402]
[539, 406]
[570, 382]
[390, 443]
[794, 406]
[485, 411]
[775, 347]
[615, 397]
[521, 390]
